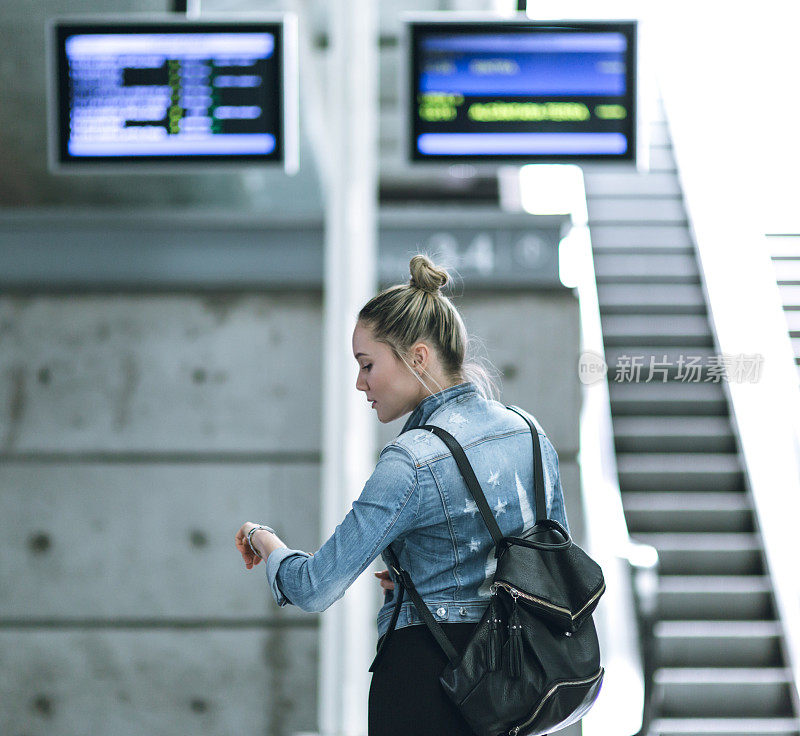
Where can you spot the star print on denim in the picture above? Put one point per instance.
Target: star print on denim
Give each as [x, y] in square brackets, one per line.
[471, 507]
[457, 419]
[422, 438]
[500, 507]
[494, 478]
[473, 545]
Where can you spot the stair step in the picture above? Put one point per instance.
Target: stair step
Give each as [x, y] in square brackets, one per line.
[631, 184]
[675, 329]
[657, 363]
[790, 294]
[713, 692]
[709, 553]
[690, 471]
[662, 159]
[787, 270]
[673, 434]
[784, 245]
[718, 643]
[690, 511]
[671, 398]
[712, 597]
[636, 210]
[639, 237]
[793, 320]
[725, 727]
[649, 267]
[647, 249]
[650, 299]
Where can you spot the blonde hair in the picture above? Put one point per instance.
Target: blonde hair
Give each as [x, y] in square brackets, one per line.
[404, 314]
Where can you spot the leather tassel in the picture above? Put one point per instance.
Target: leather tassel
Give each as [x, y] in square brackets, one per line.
[514, 643]
[495, 645]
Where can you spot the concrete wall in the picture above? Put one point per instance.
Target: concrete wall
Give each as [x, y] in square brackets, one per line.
[137, 432]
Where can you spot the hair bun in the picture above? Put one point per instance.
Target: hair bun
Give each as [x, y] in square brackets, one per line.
[426, 276]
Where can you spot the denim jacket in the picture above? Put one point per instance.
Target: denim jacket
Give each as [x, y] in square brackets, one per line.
[416, 500]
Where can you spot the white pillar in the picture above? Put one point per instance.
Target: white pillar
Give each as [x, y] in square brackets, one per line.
[193, 8]
[347, 635]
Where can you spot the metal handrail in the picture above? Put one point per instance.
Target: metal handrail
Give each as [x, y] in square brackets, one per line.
[625, 616]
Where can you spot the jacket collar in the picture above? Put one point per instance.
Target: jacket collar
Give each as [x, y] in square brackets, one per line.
[431, 403]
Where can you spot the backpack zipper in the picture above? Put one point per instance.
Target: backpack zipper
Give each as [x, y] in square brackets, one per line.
[514, 592]
[514, 731]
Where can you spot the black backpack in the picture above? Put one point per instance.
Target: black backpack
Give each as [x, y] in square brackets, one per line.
[532, 664]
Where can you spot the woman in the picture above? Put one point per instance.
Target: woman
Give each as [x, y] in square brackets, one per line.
[410, 345]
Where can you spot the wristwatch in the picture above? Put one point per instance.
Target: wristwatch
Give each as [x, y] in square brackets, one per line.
[250, 537]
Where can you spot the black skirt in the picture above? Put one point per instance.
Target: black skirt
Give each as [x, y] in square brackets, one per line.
[405, 697]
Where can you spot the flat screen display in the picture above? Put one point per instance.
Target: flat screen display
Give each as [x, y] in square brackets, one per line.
[522, 91]
[172, 91]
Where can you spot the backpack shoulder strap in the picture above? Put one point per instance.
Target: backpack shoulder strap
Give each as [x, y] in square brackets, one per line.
[469, 478]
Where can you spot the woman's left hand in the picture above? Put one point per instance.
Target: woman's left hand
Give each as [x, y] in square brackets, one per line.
[264, 542]
[250, 559]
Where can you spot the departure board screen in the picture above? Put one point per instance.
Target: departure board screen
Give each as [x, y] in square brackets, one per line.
[522, 91]
[171, 91]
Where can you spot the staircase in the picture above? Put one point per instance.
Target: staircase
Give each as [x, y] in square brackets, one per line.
[720, 670]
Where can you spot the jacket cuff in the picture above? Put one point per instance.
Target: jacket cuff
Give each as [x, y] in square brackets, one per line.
[273, 563]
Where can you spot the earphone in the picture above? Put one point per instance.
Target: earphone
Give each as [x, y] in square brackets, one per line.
[417, 375]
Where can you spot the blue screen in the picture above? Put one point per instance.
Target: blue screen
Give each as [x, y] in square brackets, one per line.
[520, 91]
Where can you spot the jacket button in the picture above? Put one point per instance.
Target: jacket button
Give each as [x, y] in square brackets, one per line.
[441, 611]
[462, 611]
